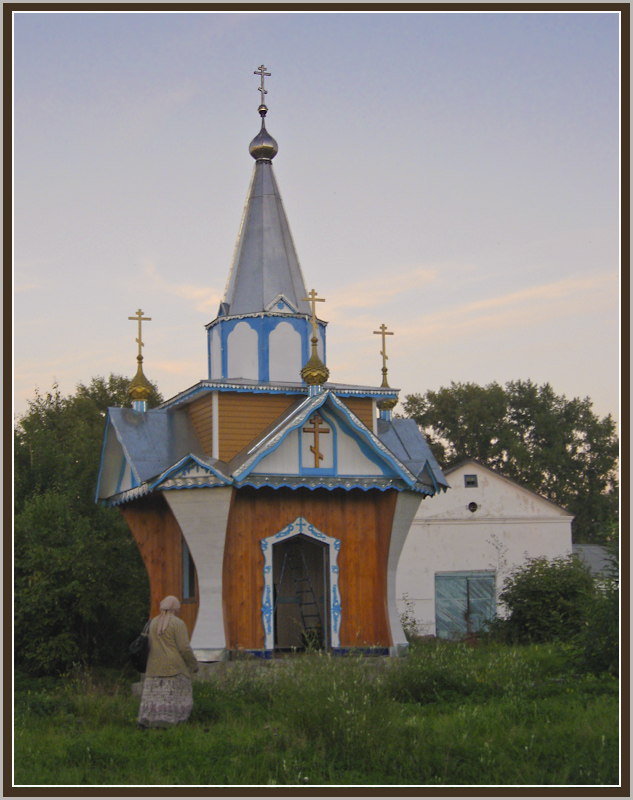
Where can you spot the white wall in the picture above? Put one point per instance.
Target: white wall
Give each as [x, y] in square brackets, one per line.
[202, 515]
[509, 525]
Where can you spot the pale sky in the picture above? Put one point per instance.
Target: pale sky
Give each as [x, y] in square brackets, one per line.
[452, 175]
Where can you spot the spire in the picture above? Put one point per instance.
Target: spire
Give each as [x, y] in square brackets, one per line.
[140, 388]
[265, 266]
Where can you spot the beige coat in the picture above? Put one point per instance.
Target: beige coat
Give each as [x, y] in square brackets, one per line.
[171, 653]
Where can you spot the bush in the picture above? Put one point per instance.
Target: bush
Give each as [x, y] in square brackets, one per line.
[598, 642]
[547, 600]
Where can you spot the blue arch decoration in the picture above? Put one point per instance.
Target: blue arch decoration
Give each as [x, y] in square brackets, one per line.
[263, 325]
[300, 526]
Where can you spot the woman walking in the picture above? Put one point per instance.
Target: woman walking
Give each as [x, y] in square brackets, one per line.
[167, 694]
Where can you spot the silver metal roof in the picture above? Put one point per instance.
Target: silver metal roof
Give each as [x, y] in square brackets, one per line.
[406, 442]
[278, 387]
[265, 264]
[154, 440]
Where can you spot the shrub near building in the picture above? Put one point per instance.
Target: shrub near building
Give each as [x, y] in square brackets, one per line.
[546, 600]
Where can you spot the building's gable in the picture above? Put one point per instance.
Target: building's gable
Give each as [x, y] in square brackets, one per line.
[320, 437]
[478, 493]
[117, 473]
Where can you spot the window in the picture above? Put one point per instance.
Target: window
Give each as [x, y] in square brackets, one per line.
[470, 481]
[188, 574]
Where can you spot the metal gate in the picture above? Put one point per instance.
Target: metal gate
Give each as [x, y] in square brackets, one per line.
[464, 602]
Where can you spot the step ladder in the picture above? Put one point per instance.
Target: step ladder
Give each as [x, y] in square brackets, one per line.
[311, 622]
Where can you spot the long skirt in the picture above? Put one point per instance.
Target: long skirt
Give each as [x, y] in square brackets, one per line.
[165, 701]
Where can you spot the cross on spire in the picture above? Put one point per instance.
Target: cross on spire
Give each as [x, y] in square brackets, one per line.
[261, 71]
[313, 300]
[316, 429]
[384, 332]
[139, 316]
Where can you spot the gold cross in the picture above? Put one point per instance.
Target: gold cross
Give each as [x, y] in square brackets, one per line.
[383, 330]
[313, 299]
[262, 71]
[139, 316]
[316, 421]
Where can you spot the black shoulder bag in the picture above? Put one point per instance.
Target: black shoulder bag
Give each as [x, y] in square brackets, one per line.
[139, 650]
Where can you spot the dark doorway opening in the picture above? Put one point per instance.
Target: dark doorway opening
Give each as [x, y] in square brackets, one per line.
[301, 588]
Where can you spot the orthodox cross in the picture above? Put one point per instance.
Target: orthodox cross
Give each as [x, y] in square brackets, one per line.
[139, 316]
[262, 72]
[313, 299]
[316, 429]
[384, 332]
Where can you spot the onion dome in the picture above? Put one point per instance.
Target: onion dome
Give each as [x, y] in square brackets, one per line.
[140, 388]
[263, 147]
[315, 373]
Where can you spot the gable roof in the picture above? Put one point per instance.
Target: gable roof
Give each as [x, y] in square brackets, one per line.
[149, 442]
[511, 481]
[163, 452]
[405, 440]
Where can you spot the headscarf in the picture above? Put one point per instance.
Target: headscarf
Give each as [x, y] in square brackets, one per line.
[167, 608]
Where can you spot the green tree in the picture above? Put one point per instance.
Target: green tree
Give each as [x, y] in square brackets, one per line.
[547, 600]
[554, 446]
[81, 590]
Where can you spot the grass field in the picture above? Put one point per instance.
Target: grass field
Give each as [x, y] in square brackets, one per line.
[448, 714]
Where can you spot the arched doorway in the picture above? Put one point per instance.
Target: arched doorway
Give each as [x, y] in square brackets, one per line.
[300, 596]
[301, 604]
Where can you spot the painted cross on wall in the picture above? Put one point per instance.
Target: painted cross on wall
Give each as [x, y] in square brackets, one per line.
[318, 428]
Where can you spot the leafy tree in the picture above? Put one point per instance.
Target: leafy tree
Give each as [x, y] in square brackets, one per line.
[554, 446]
[81, 590]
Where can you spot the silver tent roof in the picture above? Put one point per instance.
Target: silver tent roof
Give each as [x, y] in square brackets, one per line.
[265, 265]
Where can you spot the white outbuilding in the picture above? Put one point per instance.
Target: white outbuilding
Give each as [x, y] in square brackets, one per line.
[464, 543]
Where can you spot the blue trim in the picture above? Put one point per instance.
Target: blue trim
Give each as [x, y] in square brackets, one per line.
[258, 485]
[103, 449]
[178, 467]
[209, 335]
[121, 474]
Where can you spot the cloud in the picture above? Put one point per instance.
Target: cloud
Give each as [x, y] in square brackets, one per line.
[378, 291]
[205, 300]
[525, 308]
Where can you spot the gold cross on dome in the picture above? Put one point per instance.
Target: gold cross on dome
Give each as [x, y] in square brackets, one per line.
[313, 300]
[139, 316]
[384, 332]
[316, 429]
[262, 72]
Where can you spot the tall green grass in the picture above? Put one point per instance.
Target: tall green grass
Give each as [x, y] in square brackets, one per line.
[448, 714]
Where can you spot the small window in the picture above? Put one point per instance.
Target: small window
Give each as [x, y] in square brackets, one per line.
[470, 481]
[188, 574]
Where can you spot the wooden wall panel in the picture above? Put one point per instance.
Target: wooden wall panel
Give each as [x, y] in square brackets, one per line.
[243, 416]
[159, 540]
[362, 407]
[201, 415]
[362, 520]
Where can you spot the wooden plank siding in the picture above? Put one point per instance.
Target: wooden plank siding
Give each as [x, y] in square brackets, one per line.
[201, 415]
[361, 520]
[362, 407]
[243, 416]
[159, 540]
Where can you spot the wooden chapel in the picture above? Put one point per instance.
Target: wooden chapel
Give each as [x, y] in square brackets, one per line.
[273, 503]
